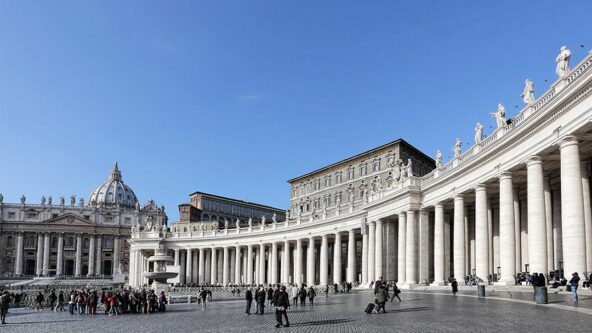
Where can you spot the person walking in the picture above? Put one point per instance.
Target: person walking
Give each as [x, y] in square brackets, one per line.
[454, 285]
[282, 303]
[249, 299]
[381, 298]
[39, 300]
[260, 298]
[270, 296]
[573, 283]
[311, 295]
[5, 304]
[203, 295]
[61, 300]
[396, 292]
[302, 294]
[377, 285]
[52, 299]
[327, 292]
[295, 295]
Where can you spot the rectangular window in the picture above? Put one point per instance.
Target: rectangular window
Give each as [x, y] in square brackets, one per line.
[31, 215]
[128, 220]
[11, 215]
[87, 217]
[376, 166]
[350, 174]
[327, 181]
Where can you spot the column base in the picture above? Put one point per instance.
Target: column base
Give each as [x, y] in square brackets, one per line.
[504, 283]
[408, 285]
[437, 284]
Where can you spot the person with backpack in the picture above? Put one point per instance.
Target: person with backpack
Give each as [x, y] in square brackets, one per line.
[311, 295]
[302, 295]
[39, 300]
[396, 292]
[249, 299]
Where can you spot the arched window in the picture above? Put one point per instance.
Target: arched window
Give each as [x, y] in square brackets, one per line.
[9, 242]
[205, 217]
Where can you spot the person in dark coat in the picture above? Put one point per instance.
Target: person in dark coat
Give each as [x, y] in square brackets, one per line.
[260, 298]
[282, 303]
[454, 285]
[311, 295]
[5, 304]
[377, 285]
[302, 295]
[270, 296]
[396, 292]
[249, 299]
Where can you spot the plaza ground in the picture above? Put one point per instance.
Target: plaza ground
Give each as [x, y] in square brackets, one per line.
[420, 311]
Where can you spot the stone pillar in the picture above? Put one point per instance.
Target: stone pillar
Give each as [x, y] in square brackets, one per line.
[237, 265]
[324, 265]
[195, 266]
[214, 269]
[548, 222]
[188, 266]
[201, 273]
[78, 269]
[537, 226]
[587, 215]
[371, 251]
[132, 262]
[116, 254]
[401, 266]
[572, 208]
[507, 230]
[91, 256]
[337, 259]
[351, 257]
[410, 262]
[232, 263]
[99, 263]
[378, 251]
[489, 239]
[439, 244]
[60, 263]
[274, 263]
[176, 257]
[46, 254]
[262, 263]
[365, 257]
[225, 272]
[557, 237]
[39, 262]
[249, 272]
[310, 262]
[517, 236]
[524, 235]
[424, 245]
[481, 233]
[459, 238]
[18, 264]
[208, 266]
[390, 244]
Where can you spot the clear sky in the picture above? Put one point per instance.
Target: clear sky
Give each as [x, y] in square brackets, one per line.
[236, 97]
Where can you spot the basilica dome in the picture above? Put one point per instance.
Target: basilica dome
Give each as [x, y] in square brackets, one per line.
[113, 192]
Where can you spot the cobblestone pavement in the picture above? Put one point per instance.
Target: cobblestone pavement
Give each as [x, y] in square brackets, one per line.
[419, 312]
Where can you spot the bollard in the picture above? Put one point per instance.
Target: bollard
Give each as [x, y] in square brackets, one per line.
[481, 290]
[540, 295]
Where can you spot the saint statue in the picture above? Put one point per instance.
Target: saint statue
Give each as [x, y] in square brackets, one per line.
[397, 169]
[365, 194]
[1, 199]
[250, 222]
[563, 62]
[528, 93]
[81, 202]
[263, 219]
[409, 168]
[478, 134]
[500, 116]
[43, 200]
[137, 206]
[274, 218]
[338, 200]
[438, 159]
[23, 199]
[237, 222]
[351, 196]
[49, 200]
[225, 224]
[72, 200]
[62, 200]
[457, 147]
[120, 268]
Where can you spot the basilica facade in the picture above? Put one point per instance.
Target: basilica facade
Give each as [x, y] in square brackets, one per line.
[74, 238]
[518, 200]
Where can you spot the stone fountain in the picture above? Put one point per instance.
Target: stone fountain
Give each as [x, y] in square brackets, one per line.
[160, 276]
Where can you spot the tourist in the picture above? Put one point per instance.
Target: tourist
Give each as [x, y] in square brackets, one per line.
[61, 300]
[282, 303]
[114, 305]
[311, 295]
[295, 295]
[5, 304]
[270, 296]
[249, 299]
[151, 300]
[302, 294]
[92, 303]
[396, 292]
[260, 299]
[72, 302]
[573, 283]
[52, 299]
[162, 301]
[80, 303]
[327, 292]
[39, 301]
[381, 298]
[454, 285]
[377, 285]
[202, 297]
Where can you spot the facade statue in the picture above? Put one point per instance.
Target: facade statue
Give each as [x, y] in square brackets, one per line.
[120, 268]
[23, 199]
[263, 219]
[438, 159]
[237, 223]
[137, 206]
[351, 196]
[162, 209]
[49, 200]
[409, 168]
[250, 222]
[72, 200]
[457, 147]
[43, 200]
[62, 201]
[81, 202]
[528, 92]
[365, 194]
[478, 133]
[215, 225]
[202, 227]
[274, 218]
[500, 116]
[225, 224]
[338, 200]
[1, 199]
[562, 59]
[148, 225]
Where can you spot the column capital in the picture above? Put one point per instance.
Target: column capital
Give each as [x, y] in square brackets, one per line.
[371, 222]
[379, 221]
[438, 205]
[324, 236]
[458, 197]
[505, 175]
[480, 187]
[568, 140]
[533, 160]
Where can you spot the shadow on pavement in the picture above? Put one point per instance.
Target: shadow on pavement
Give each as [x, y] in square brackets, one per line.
[322, 322]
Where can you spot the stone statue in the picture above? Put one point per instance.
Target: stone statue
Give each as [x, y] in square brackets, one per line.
[49, 200]
[250, 222]
[365, 194]
[500, 116]
[263, 219]
[409, 168]
[120, 268]
[338, 200]
[225, 224]
[528, 92]
[397, 169]
[562, 59]
[215, 225]
[23, 199]
[148, 225]
[137, 206]
[62, 200]
[81, 202]
[72, 200]
[201, 227]
[478, 133]
[162, 209]
[1, 199]
[43, 200]
[274, 218]
[351, 196]
[237, 223]
[457, 147]
[438, 159]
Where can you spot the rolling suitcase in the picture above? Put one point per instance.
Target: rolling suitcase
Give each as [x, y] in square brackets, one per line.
[369, 308]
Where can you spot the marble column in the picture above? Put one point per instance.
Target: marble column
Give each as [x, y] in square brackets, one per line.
[517, 235]
[39, 262]
[424, 245]
[507, 230]
[537, 226]
[207, 266]
[232, 264]
[401, 266]
[18, 264]
[274, 263]
[201, 273]
[310, 262]
[378, 251]
[481, 234]
[214, 269]
[249, 272]
[188, 266]
[60, 263]
[78, 269]
[365, 256]
[99, 263]
[351, 257]
[587, 215]
[262, 264]
[557, 237]
[194, 266]
[176, 257]
[337, 259]
[237, 263]
[548, 222]
[572, 208]
[116, 254]
[371, 251]
[286, 263]
[225, 272]
[91, 255]
[439, 244]
[324, 265]
[459, 238]
[410, 249]
[46, 254]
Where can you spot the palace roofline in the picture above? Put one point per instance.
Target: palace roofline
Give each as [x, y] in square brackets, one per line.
[237, 201]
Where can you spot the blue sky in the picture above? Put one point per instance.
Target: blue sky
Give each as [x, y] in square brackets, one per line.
[236, 97]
